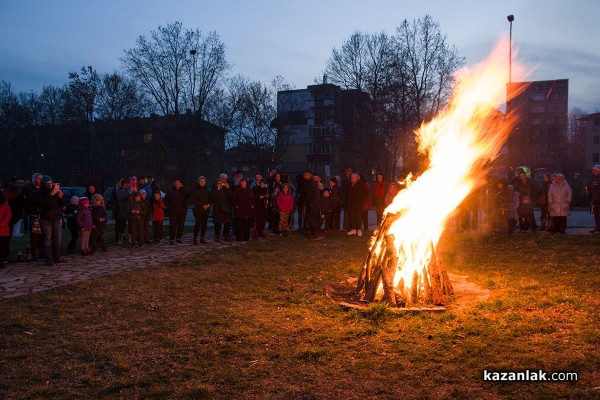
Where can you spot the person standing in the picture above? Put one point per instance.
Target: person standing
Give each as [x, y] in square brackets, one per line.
[33, 210]
[367, 205]
[312, 202]
[99, 218]
[526, 190]
[345, 188]
[354, 204]
[176, 202]
[137, 215]
[593, 188]
[5, 216]
[200, 196]
[221, 201]
[124, 192]
[336, 203]
[559, 203]
[243, 202]
[379, 191]
[52, 204]
[284, 204]
[71, 214]
[85, 224]
[503, 199]
[261, 207]
[14, 196]
[158, 217]
[146, 223]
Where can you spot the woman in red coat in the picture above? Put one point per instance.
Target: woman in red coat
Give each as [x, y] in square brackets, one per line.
[5, 216]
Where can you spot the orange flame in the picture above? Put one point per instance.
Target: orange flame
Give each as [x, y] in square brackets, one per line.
[459, 142]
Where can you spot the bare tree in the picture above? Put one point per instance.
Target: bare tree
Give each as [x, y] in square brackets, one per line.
[428, 62]
[208, 68]
[119, 97]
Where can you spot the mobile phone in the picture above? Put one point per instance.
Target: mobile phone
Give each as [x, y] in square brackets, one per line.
[57, 184]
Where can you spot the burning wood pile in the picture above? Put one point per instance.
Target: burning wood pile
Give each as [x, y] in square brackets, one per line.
[402, 267]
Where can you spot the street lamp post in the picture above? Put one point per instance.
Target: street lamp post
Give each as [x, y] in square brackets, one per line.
[193, 53]
[510, 19]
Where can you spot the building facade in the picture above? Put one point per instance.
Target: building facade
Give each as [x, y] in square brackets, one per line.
[320, 128]
[158, 146]
[589, 127]
[540, 134]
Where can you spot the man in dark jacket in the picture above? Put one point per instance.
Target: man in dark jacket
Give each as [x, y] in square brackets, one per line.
[176, 202]
[526, 190]
[261, 206]
[201, 200]
[52, 205]
[312, 202]
[593, 188]
[243, 203]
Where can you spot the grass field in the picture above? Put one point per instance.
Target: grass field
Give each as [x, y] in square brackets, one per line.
[254, 322]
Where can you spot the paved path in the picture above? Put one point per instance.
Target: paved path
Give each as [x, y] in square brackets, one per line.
[20, 279]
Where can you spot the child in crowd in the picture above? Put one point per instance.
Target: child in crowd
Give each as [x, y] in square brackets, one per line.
[71, 214]
[137, 216]
[5, 216]
[99, 218]
[85, 224]
[391, 193]
[158, 217]
[326, 209]
[285, 205]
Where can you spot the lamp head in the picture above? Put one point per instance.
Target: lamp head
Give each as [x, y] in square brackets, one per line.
[510, 18]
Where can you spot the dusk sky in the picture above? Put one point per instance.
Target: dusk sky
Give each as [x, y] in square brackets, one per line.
[43, 40]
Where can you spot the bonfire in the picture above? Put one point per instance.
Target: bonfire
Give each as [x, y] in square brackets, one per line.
[402, 267]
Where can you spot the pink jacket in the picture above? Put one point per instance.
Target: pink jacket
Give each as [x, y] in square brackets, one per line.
[285, 202]
[5, 216]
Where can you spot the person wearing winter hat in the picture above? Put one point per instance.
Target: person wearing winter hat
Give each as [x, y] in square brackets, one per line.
[85, 224]
[52, 203]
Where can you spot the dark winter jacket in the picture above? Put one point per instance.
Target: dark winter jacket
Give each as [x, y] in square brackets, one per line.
[51, 205]
[356, 197]
[311, 194]
[31, 196]
[123, 199]
[176, 201]
[99, 213]
[258, 193]
[594, 190]
[221, 200]
[326, 204]
[137, 206]
[200, 196]
[336, 196]
[243, 201]
[526, 190]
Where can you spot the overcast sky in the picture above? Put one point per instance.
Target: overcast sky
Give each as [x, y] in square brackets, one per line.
[42, 40]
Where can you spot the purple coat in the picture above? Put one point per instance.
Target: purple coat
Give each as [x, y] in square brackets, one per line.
[84, 219]
[243, 202]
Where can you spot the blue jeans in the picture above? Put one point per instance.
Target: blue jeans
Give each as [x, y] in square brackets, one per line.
[51, 231]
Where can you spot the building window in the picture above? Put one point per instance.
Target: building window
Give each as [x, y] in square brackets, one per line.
[595, 157]
[596, 139]
[596, 121]
[147, 138]
[538, 108]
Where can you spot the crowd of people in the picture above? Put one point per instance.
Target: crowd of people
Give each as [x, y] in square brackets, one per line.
[250, 207]
[240, 206]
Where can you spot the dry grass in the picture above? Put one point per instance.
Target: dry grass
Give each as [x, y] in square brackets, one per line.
[254, 322]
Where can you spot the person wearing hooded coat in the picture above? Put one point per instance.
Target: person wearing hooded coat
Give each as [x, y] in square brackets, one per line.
[220, 198]
[176, 203]
[243, 203]
[559, 203]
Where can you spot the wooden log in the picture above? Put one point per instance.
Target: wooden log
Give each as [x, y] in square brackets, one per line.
[389, 271]
[373, 285]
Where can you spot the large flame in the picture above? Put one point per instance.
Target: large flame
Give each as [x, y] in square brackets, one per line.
[460, 142]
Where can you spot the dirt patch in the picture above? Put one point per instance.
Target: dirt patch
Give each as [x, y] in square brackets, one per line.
[467, 293]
